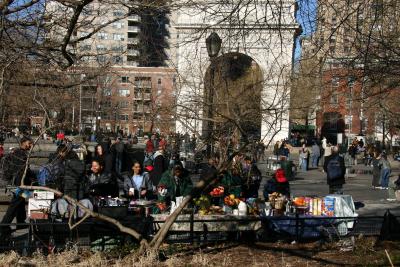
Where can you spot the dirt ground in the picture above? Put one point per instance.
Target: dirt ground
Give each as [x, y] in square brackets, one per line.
[349, 252]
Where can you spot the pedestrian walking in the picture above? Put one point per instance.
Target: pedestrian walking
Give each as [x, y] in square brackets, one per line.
[303, 157]
[335, 171]
[385, 170]
[376, 172]
[315, 154]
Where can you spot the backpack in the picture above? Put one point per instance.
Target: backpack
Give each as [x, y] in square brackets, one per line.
[50, 174]
[334, 169]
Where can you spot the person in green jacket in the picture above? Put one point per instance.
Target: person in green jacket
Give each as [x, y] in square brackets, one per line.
[174, 183]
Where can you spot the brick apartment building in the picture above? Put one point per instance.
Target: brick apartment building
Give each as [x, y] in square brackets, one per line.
[351, 43]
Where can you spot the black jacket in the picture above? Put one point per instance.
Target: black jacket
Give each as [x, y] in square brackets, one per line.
[273, 185]
[160, 166]
[340, 180]
[104, 184]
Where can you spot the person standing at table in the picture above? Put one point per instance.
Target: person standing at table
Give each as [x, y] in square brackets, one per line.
[174, 183]
[138, 184]
[335, 171]
[100, 183]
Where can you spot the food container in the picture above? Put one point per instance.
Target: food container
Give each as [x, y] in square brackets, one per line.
[242, 207]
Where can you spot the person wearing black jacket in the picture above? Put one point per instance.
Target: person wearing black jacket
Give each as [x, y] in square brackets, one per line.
[278, 183]
[160, 166]
[102, 153]
[335, 171]
[251, 179]
[14, 170]
[100, 183]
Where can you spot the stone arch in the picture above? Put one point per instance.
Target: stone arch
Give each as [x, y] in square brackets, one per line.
[235, 82]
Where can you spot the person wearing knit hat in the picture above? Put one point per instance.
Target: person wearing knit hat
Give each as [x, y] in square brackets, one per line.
[278, 183]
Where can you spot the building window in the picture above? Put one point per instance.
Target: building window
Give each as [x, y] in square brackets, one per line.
[125, 79]
[117, 48]
[124, 92]
[117, 59]
[123, 117]
[106, 104]
[143, 82]
[348, 120]
[118, 13]
[334, 98]
[118, 36]
[102, 35]
[159, 81]
[107, 92]
[351, 81]
[86, 47]
[101, 59]
[101, 47]
[123, 104]
[349, 99]
[105, 116]
[118, 25]
[335, 81]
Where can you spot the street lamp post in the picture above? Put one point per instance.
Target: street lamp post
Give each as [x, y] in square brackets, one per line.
[115, 117]
[99, 118]
[213, 43]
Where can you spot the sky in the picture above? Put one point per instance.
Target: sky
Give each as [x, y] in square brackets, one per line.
[306, 17]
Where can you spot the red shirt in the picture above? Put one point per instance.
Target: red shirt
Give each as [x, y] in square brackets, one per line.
[149, 146]
[162, 143]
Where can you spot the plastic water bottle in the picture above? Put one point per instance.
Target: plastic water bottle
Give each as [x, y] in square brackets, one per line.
[52, 244]
[242, 207]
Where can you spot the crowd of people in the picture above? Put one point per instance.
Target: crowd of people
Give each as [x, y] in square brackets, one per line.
[157, 173]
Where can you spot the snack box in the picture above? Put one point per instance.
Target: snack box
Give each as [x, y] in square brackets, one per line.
[329, 206]
[38, 205]
[38, 194]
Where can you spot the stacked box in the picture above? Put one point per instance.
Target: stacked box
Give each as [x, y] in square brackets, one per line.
[329, 206]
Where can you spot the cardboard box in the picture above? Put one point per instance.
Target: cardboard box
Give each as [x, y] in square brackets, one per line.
[38, 194]
[38, 215]
[38, 205]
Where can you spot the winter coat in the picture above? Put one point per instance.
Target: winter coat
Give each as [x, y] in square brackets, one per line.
[160, 166]
[182, 187]
[315, 150]
[103, 184]
[146, 184]
[340, 180]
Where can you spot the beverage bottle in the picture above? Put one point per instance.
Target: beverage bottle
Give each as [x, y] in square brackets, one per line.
[52, 244]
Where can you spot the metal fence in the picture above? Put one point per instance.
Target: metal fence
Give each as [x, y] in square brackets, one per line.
[47, 236]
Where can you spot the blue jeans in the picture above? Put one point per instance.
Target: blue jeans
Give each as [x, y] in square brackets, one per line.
[314, 161]
[118, 162]
[385, 177]
[304, 164]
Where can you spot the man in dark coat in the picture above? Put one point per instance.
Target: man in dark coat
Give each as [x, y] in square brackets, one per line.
[335, 171]
[174, 183]
[14, 169]
[251, 179]
[278, 183]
